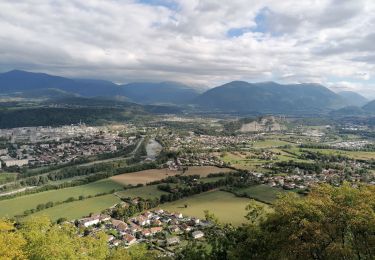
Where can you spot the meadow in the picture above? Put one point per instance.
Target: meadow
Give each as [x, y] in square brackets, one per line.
[263, 193]
[18, 205]
[79, 209]
[224, 205]
[6, 177]
[270, 143]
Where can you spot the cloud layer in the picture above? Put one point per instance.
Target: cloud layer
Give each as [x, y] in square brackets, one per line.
[195, 41]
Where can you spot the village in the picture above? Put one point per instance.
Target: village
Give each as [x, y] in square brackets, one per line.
[160, 229]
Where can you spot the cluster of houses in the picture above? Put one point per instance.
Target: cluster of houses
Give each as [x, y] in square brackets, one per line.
[351, 145]
[302, 180]
[194, 159]
[39, 146]
[209, 142]
[159, 227]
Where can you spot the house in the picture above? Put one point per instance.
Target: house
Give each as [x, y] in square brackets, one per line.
[116, 242]
[197, 234]
[134, 228]
[177, 215]
[147, 215]
[195, 221]
[156, 222]
[87, 222]
[104, 217]
[146, 232]
[174, 228]
[142, 220]
[14, 162]
[129, 239]
[159, 211]
[173, 241]
[110, 238]
[185, 227]
[156, 230]
[119, 225]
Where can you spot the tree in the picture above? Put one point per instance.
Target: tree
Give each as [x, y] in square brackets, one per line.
[329, 223]
[11, 243]
[50, 241]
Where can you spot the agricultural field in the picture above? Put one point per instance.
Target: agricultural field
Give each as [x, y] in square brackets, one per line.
[146, 192]
[239, 160]
[18, 205]
[270, 143]
[143, 177]
[147, 176]
[263, 193]
[78, 209]
[225, 206]
[204, 171]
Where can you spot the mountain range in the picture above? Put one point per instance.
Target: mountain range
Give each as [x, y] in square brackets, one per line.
[233, 97]
[28, 84]
[270, 97]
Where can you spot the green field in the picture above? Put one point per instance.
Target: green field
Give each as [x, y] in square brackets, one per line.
[261, 192]
[7, 177]
[224, 205]
[18, 205]
[78, 209]
[146, 192]
[269, 143]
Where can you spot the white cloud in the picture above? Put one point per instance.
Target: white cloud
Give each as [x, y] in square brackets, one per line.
[286, 41]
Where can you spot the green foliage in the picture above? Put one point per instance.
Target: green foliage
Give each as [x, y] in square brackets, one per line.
[329, 223]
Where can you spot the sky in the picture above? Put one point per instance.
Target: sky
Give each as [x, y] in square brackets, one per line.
[199, 42]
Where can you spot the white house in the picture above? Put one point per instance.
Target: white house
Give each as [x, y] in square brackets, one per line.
[197, 234]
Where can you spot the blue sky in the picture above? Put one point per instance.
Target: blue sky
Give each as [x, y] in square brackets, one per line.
[199, 42]
[170, 4]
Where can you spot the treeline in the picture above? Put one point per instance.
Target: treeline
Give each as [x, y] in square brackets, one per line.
[317, 156]
[124, 213]
[191, 186]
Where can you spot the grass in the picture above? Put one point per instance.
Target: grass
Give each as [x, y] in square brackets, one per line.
[146, 176]
[18, 205]
[6, 177]
[262, 192]
[225, 206]
[78, 209]
[269, 143]
[146, 192]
